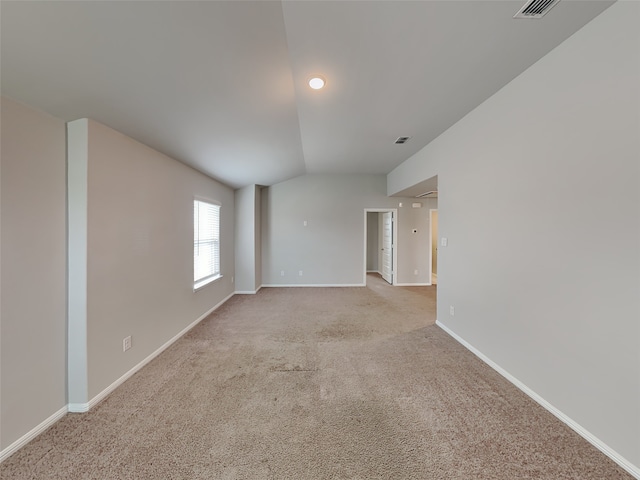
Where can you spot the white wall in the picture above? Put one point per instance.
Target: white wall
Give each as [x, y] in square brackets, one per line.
[140, 252]
[33, 257]
[434, 242]
[529, 184]
[248, 238]
[414, 247]
[257, 240]
[330, 249]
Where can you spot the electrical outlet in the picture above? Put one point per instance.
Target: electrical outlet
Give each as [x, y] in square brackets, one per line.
[126, 343]
[452, 311]
[415, 272]
[300, 273]
[282, 273]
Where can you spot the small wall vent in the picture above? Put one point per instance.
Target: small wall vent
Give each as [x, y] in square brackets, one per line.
[401, 140]
[536, 8]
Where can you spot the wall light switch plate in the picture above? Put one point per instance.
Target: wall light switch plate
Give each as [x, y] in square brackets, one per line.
[444, 242]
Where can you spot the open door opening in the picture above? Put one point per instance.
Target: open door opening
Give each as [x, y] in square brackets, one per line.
[380, 233]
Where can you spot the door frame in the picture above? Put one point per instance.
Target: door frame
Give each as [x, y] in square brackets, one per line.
[394, 243]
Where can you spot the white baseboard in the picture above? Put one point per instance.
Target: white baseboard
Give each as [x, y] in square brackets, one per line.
[85, 407]
[412, 285]
[248, 292]
[78, 407]
[31, 434]
[317, 285]
[576, 427]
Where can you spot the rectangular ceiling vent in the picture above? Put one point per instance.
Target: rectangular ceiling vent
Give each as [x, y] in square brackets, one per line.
[431, 194]
[536, 8]
[401, 140]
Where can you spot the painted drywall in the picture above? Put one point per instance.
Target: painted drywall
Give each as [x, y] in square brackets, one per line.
[380, 239]
[434, 242]
[329, 250]
[373, 249]
[77, 204]
[33, 257]
[140, 251]
[247, 238]
[257, 240]
[414, 231]
[529, 182]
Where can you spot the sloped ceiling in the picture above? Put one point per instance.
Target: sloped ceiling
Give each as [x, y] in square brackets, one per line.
[222, 86]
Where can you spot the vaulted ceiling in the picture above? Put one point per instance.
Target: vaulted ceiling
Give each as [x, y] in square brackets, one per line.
[222, 86]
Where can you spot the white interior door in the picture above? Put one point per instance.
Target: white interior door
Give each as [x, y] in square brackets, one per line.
[387, 246]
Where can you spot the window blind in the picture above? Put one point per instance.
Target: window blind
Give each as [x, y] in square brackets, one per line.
[206, 242]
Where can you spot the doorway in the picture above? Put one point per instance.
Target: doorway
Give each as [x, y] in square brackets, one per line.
[380, 252]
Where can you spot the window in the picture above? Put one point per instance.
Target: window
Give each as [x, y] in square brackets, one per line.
[206, 243]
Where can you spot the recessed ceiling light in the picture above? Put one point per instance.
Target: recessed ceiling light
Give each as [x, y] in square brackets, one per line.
[316, 82]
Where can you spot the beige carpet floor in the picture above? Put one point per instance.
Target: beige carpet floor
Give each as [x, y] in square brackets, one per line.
[315, 383]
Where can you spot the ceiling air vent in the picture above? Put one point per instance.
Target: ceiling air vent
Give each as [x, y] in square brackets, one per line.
[401, 140]
[536, 8]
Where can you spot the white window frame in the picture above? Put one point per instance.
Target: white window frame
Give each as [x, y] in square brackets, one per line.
[206, 268]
